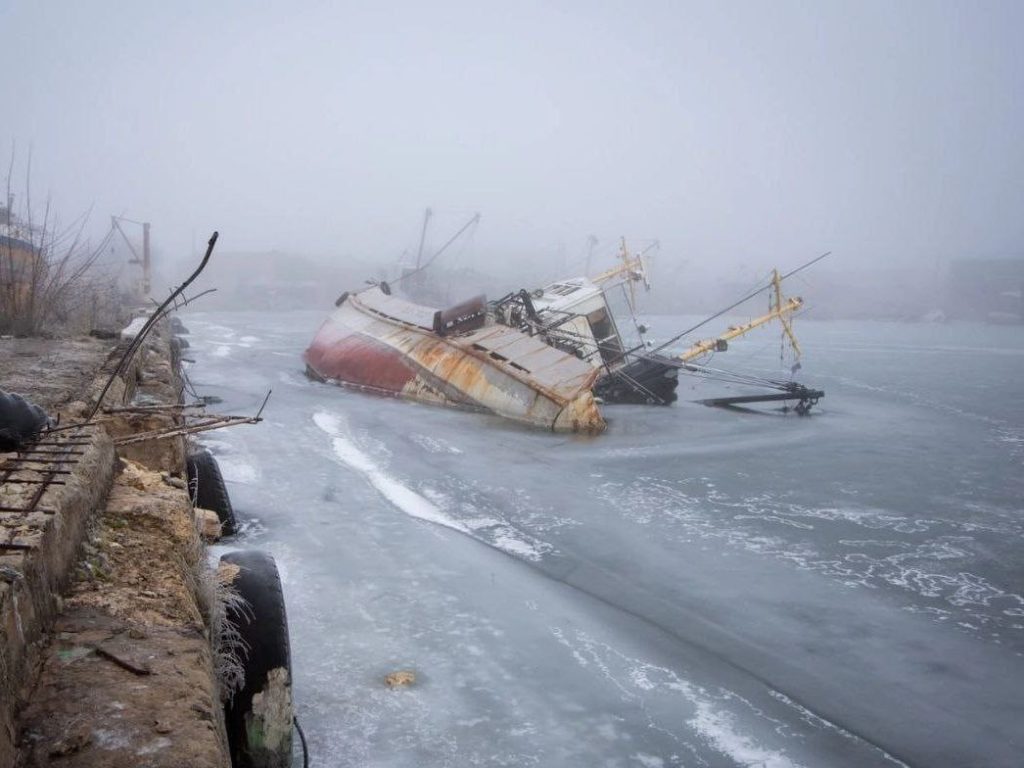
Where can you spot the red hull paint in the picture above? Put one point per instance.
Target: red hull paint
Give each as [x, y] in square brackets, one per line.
[359, 360]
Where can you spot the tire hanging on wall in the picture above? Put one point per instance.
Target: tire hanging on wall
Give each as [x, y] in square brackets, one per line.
[205, 477]
[259, 717]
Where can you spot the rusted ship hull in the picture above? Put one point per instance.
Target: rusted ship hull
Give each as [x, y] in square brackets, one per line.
[382, 344]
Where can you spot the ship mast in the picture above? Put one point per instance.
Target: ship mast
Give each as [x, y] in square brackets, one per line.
[777, 310]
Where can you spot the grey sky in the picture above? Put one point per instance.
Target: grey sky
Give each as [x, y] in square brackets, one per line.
[734, 132]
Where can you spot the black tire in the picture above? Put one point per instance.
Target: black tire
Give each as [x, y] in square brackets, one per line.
[176, 349]
[21, 421]
[205, 477]
[260, 734]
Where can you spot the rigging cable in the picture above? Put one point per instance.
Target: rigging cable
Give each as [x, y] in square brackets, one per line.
[442, 249]
[731, 307]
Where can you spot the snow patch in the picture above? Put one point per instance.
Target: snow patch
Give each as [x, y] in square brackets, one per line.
[131, 330]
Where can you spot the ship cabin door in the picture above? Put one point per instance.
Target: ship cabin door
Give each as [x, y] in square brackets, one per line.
[606, 336]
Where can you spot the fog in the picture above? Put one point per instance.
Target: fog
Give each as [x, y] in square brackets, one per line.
[739, 135]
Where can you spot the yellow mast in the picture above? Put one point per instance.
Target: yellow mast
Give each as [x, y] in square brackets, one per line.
[777, 310]
[632, 267]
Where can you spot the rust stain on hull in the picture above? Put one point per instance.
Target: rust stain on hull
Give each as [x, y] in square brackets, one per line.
[369, 345]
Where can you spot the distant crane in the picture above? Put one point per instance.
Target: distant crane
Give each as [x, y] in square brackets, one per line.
[145, 260]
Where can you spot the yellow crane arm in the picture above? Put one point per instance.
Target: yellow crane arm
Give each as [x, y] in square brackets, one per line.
[631, 266]
[777, 310]
[628, 268]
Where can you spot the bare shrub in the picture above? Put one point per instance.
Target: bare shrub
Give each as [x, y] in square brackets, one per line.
[48, 276]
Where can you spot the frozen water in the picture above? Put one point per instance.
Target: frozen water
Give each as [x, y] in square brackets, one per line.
[695, 587]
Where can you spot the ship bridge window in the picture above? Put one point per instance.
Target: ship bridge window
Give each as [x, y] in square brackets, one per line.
[607, 338]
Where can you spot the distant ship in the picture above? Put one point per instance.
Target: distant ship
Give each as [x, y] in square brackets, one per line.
[547, 358]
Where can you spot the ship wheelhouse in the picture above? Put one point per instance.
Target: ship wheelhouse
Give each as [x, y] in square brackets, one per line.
[574, 314]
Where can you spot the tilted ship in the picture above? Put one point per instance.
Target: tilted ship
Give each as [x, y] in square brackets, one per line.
[548, 358]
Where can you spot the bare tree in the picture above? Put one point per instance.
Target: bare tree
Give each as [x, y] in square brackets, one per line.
[48, 275]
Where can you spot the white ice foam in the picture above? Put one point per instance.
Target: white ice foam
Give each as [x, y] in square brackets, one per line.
[711, 720]
[404, 498]
[429, 506]
[718, 728]
[328, 423]
[516, 546]
[649, 761]
[238, 471]
[222, 351]
[216, 446]
[433, 444]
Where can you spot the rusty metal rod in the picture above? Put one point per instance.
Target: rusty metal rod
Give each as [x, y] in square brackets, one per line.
[29, 481]
[50, 453]
[47, 481]
[136, 343]
[263, 405]
[43, 438]
[152, 408]
[79, 425]
[44, 461]
[187, 430]
[135, 669]
[43, 471]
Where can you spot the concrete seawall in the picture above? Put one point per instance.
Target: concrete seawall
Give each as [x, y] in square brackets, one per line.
[106, 655]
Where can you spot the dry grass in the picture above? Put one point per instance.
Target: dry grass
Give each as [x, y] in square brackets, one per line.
[228, 646]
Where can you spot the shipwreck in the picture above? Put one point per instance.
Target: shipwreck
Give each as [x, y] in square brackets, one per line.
[549, 357]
